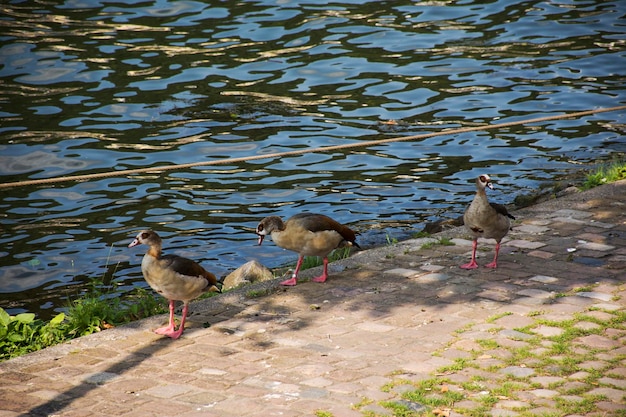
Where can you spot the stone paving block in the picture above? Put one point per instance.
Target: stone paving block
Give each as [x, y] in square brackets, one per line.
[577, 214]
[169, 390]
[318, 382]
[513, 321]
[546, 381]
[198, 412]
[403, 272]
[608, 306]
[428, 366]
[375, 327]
[597, 341]
[537, 302]
[525, 244]
[548, 410]
[535, 293]
[502, 412]
[600, 315]
[544, 393]
[548, 331]
[613, 382]
[617, 372]
[514, 334]
[346, 388]
[511, 343]
[494, 295]
[596, 295]
[595, 246]
[569, 213]
[433, 278]
[531, 229]
[544, 279]
[585, 325]
[518, 371]
[581, 303]
[602, 225]
[541, 254]
[612, 394]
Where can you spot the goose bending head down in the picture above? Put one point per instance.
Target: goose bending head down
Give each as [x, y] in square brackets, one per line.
[174, 277]
[486, 220]
[308, 234]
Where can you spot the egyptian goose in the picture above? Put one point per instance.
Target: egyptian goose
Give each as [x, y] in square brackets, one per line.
[486, 220]
[308, 234]
[174, 277]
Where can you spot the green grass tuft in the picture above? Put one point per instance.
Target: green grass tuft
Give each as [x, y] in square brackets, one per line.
[605, 173]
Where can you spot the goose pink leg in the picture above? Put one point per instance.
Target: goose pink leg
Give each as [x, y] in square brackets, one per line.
[472, 264]
[294, 278]
[494, 263]
[322, 278]
[169, 329]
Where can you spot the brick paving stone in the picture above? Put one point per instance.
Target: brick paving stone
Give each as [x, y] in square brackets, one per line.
[617, 372]
[548, 331]
[543, 411]
[608, 306]
[576, 302]
[514, 334]
[432, 268]
[614, 407]
[402, 272]
[544, 279]
[525, 244]
[572, 387]
[546, 381]
[597, 341]
[466, 345]
[541, 254]
[510, 343]
[586, 325]
[518, 371]
[536, 302]
[615, 395]
[614, 333]
[614, 382]
[501, 412]
[535, 293]
[596, 246]
[456, 354]
[597, 295]
[580, 375]
[494, 295]
[168, 391]
[511, 404]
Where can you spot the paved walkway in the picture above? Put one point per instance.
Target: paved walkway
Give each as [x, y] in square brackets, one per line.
[396, 328]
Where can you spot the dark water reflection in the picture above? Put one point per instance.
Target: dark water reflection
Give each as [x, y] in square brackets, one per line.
[102, 86]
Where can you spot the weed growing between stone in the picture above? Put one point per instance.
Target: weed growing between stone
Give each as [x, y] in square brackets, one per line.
[567, 376]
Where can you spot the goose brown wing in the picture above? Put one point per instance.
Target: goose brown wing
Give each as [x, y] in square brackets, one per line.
[185, 266]
[500, 209]
[320, 223]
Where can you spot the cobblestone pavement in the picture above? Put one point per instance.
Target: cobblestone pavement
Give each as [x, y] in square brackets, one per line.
[399, 330]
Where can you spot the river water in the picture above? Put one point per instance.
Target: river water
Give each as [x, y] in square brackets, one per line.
[93, 86]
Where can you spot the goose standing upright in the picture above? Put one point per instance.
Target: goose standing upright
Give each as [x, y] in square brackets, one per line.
[486, 220]
[308, 234]
[174, 277]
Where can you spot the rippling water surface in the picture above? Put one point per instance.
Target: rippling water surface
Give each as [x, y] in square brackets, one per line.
[98, 86]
